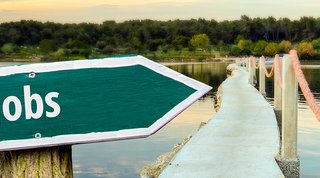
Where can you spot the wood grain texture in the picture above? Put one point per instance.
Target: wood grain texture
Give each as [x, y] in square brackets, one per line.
[52, 162]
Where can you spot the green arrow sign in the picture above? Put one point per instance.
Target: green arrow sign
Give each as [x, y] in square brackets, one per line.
[90, 101]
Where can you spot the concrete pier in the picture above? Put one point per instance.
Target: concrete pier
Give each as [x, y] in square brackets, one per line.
[240, 141]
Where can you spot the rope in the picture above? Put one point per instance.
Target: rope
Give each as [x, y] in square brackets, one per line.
[299, 75]
[304, 84]
[268, 74]
[253, 60]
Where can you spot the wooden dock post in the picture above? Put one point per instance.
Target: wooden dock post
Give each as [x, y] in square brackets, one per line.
[289, 110]
[262, 79]
[244, 62]
[252, 70]
[247, 64]
[277, 87]
[288, 159]
[52, 162]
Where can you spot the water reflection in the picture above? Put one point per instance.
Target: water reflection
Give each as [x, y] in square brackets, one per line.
[125, 159]
[308, 126]
[209, 73]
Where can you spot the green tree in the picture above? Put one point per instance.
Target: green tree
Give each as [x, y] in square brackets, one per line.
[46, 33]
[308, 28]
[235, 51]
[100, 44]
[109, 49]
[180, 42]
[305, 50]
[316, 44]
[271, 49]
[59, 53]
[238, 38]
[154, 44]
[7, 48]
[76, 44]
[285, 46]
[141, 35]
[200, 41]
[135, 43]
[245, 46]
[85, 52]
[47, 46]
[259, 47]
[270, 26]
[221, 46]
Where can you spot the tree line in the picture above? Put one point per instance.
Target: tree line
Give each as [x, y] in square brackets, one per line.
[245, 36]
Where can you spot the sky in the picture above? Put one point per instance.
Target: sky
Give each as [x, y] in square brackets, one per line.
[97, 11]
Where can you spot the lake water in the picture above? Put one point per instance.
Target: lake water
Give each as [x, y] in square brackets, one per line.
[308, 126]
[126, 158]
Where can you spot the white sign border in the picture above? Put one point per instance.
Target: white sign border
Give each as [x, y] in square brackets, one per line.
[73, 139]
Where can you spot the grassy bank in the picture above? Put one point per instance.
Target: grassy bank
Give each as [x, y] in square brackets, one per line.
[183, 55]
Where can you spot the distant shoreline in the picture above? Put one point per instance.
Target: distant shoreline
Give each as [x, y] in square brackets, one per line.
[163, 60]
[305, 65]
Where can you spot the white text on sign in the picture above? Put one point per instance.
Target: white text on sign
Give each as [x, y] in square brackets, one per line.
[28, 98]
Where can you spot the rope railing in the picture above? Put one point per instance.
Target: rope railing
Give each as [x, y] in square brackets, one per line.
[304, 84]
[254, 62]
[267, 74]
[286, 78]
[273, 68]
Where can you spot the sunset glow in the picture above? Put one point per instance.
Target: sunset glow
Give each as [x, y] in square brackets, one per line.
[100, 10]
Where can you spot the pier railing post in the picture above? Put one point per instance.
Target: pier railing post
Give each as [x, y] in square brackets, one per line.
[289, 110]
[247, 63]
[288, 159]
[252, 70]
[262, 80]
[277, 87]
[244, 63]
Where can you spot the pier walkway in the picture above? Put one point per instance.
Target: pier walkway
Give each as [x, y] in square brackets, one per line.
[241, 140]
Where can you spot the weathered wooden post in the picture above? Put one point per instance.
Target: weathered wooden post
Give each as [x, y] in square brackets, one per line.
[277, 85]
[244, 62]
[52, 162]
[288, 155]
[247, 63]
[252, 70]
[262, 80]
[289, 110]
